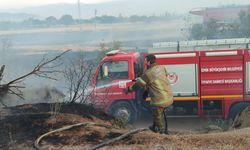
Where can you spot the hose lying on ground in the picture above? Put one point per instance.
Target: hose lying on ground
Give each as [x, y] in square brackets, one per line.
[37, 146]
[115, 139]
[36, 143]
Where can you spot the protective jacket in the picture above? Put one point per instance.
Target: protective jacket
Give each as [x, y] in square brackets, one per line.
[156, 81]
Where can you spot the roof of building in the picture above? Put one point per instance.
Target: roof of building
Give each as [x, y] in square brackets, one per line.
[221, 13]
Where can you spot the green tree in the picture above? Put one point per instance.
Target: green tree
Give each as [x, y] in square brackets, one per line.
[211, 29]
[51, 20]
[208, 31]
[33, 22]
[67, 20]
[244, 25]
[196, 32]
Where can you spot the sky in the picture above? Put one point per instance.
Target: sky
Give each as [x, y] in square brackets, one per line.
[178, 6]
[14, 4]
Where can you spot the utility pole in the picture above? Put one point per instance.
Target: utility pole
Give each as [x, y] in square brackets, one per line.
[95, 18]
[79, 13]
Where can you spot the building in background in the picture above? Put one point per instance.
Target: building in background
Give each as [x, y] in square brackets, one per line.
[225, 15]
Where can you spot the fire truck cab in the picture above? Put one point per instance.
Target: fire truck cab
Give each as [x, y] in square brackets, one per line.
[207, 83]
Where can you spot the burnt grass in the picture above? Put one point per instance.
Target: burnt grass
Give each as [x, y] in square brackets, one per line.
[21, 125]
[25, 123]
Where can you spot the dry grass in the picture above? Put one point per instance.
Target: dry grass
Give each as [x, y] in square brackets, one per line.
[78, 138]
[90, 27]
[224, 141]
[139, 31]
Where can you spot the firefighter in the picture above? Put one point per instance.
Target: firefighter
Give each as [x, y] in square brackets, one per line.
[155, 80]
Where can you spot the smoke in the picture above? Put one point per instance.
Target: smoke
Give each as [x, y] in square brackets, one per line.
[37, 90]
[43, 94]
[22, 52]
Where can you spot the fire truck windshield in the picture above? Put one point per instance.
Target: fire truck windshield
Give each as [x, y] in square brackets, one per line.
[112, 70]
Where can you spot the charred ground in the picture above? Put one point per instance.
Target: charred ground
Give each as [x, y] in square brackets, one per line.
[20, 126]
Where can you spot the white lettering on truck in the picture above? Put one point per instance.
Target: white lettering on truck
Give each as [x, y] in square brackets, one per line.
[221, 69]
[222, 81]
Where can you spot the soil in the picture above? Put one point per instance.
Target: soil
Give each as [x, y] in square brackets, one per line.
[20, 126]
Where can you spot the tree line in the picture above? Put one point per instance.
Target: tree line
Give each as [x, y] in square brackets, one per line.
[69, 20]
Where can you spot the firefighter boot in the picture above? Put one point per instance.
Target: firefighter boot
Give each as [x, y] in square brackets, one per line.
[153, 128]
[166, 121]
[158, 118]
[156, 129]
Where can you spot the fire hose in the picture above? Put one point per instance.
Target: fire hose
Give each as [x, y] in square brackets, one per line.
[38, 140]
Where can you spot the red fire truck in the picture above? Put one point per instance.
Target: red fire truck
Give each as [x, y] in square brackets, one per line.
[207, 83]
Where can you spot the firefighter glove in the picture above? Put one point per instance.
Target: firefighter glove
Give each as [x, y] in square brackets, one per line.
[127, 90]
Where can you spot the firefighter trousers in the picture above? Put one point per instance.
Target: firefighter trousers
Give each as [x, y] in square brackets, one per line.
[160, 119]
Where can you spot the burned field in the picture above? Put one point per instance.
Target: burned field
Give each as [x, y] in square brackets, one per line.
[21, 125]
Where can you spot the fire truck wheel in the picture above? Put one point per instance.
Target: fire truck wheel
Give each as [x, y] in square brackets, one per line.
[124, 112]
[237, 109]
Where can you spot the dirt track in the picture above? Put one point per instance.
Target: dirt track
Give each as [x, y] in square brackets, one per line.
[20, 126]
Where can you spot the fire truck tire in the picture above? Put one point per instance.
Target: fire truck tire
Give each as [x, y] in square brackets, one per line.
[236, 109]
[123, 111]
